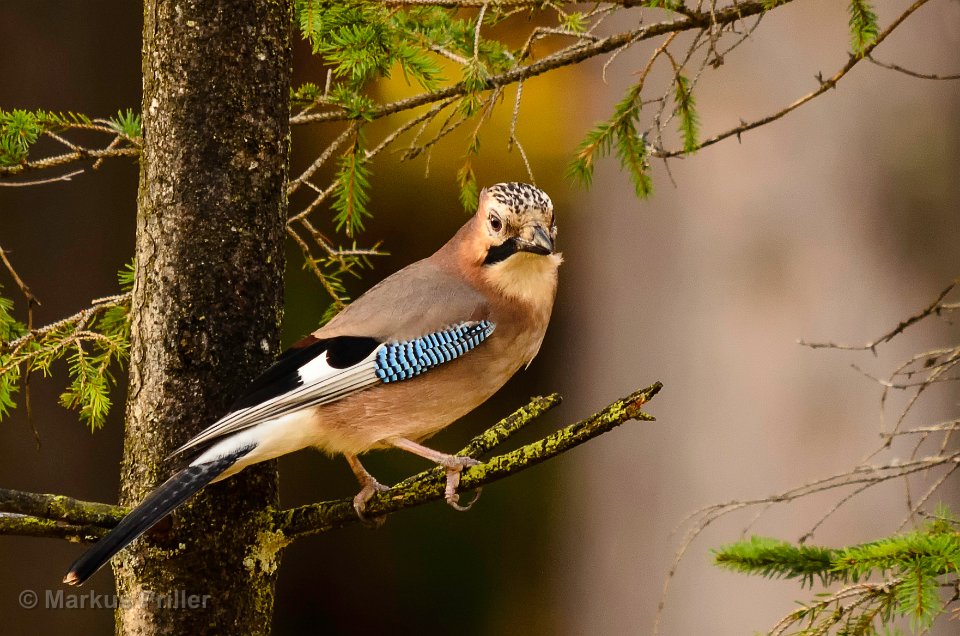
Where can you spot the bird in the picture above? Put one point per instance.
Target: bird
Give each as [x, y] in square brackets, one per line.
[413, 354]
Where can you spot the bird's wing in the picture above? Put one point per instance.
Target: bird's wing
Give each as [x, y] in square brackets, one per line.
[419, 298]
[358, 351]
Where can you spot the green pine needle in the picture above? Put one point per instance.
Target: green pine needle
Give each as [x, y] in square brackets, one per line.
[9, 384]
[575, 21]
[773, 558]
[864, 29]
[351, 195]
[620, 132]
[307, 93]
[364, 40]
[127, 123]
[469, 191]
[475, 78]
[19, 129]
[687, 113]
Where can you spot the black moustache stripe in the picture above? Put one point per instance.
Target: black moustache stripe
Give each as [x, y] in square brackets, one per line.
[501, 252]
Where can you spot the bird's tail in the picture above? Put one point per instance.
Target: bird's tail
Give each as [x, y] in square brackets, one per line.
[157, 505]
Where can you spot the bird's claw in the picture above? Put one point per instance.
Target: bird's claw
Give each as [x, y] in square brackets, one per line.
[370, 488]
[454, 465]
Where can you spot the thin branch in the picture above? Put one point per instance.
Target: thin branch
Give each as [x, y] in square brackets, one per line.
[863, 592]
[35, 182]
[906, 71]
[324, 156]
[933, 308]
[25, 379]
[69, 157]
[311, 262]
[863, 477]
[24, 289]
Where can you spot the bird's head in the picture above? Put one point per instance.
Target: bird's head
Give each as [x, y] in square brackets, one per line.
[516, 219]
[517, 231]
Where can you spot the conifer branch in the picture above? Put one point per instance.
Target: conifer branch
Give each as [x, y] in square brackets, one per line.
[573, 54]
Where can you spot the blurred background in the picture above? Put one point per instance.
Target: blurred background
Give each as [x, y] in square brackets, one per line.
[833, 223]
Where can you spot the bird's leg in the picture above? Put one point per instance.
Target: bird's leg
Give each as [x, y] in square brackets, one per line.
[454, 465]
[368, 487]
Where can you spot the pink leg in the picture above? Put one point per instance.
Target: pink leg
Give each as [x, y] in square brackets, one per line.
[368, 487]
[454, 464]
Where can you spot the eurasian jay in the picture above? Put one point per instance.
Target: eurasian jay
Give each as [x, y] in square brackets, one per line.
[413, 354]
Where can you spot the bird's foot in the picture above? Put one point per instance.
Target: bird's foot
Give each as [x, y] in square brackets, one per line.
[369, 486]
[454, 465]
[369, 489]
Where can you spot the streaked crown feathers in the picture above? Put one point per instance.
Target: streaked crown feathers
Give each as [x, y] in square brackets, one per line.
[520, 196]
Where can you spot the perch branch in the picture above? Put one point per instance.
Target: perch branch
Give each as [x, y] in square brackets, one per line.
[428, 485]
[57, 516]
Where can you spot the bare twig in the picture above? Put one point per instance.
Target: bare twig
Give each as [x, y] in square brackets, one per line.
[35, 182]
[25, 380]
[864, 477]
[335, 145]
[24, 289]
[906, 71]
[933, 308]
[930, 367]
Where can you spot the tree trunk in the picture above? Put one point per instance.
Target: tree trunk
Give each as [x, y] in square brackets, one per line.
[207, 303]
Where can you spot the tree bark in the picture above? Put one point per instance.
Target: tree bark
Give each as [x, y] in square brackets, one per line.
[207, 303]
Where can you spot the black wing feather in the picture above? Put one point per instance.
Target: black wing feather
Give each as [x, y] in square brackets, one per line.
[283, 376]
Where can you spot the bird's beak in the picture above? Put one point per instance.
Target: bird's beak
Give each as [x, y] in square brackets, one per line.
[536, 240]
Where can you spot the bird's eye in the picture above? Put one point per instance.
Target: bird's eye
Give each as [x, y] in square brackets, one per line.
[495, 223]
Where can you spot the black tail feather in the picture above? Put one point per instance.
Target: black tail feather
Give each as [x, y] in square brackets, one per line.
[155, 506]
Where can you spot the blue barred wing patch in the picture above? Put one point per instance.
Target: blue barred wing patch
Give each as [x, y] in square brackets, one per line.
[409, 358]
